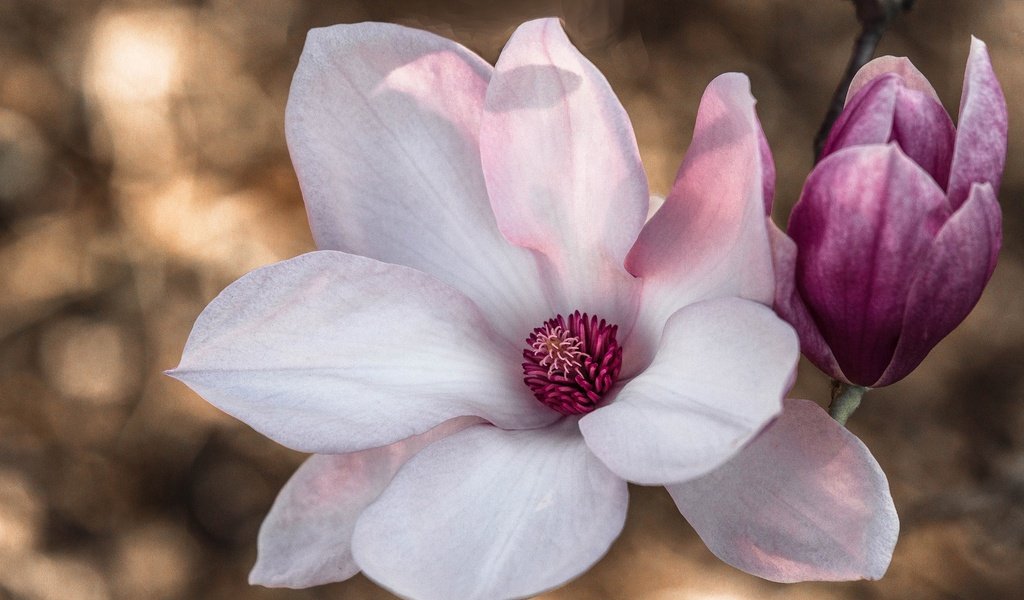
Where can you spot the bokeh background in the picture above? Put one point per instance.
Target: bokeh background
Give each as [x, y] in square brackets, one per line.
[143, 168]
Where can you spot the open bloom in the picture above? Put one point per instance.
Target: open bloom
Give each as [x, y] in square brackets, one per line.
[491, 341]
[898, 228]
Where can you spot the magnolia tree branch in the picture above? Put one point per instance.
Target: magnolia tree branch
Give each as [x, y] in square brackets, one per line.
[875, 16]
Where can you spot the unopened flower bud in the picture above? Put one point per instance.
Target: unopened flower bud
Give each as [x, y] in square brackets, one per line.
[897, 230]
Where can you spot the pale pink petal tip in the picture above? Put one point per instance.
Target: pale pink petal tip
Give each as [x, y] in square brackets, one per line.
[709, 239]
[306, 539]
[897, 65]
[805, 501]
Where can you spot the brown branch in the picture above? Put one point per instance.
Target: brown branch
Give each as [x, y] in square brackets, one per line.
[875, 16]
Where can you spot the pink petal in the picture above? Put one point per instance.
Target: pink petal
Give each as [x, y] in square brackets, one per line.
[980, 152]
[804, 501]
[790, 306]
[488, 513]
[890, 100]
[709, 239]
[767, 170]
[867, 117]
[383, 127]
[865, 221]
[883, 65]
[949, 281]
[563, 170]
[717, 379]
[306, 539]
[333, 353]
[925, 132]
[887, 109]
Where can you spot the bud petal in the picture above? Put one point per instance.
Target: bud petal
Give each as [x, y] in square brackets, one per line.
[865, 221]
[888, 109]
[949, 281]
[899, 65]
[790, 305]
[980, 152]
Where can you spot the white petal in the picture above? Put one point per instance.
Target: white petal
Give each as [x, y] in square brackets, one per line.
[717, 379]
[306, 539]
[332, 353]
[804, 501]
[488, 514]
[563, 170]
[383, 127]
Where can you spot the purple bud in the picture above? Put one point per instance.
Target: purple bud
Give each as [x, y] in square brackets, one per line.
[887, 109]
[897, 230]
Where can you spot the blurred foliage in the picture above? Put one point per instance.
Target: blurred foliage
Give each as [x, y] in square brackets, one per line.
[143, 168]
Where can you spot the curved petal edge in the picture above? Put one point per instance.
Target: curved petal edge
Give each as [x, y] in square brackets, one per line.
[719, 376]
[899, 65]
[949, 281]
[790, 306]
[981, 130]
[330, 353]
[306, 538]
[563, 169]
[709, 239]
[383, 127]
[804, 501]
[503, 514]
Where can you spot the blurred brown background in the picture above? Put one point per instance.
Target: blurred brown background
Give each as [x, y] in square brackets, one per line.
[143, 168]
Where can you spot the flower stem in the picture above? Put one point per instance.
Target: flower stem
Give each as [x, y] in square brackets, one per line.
[845, 399]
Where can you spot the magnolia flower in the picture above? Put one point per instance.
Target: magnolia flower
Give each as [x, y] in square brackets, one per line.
[898, 228]
[491, 342]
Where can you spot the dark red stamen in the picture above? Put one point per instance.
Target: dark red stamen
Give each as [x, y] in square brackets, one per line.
[571, 363]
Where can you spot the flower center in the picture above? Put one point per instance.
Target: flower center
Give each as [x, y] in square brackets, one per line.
[571, 362]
